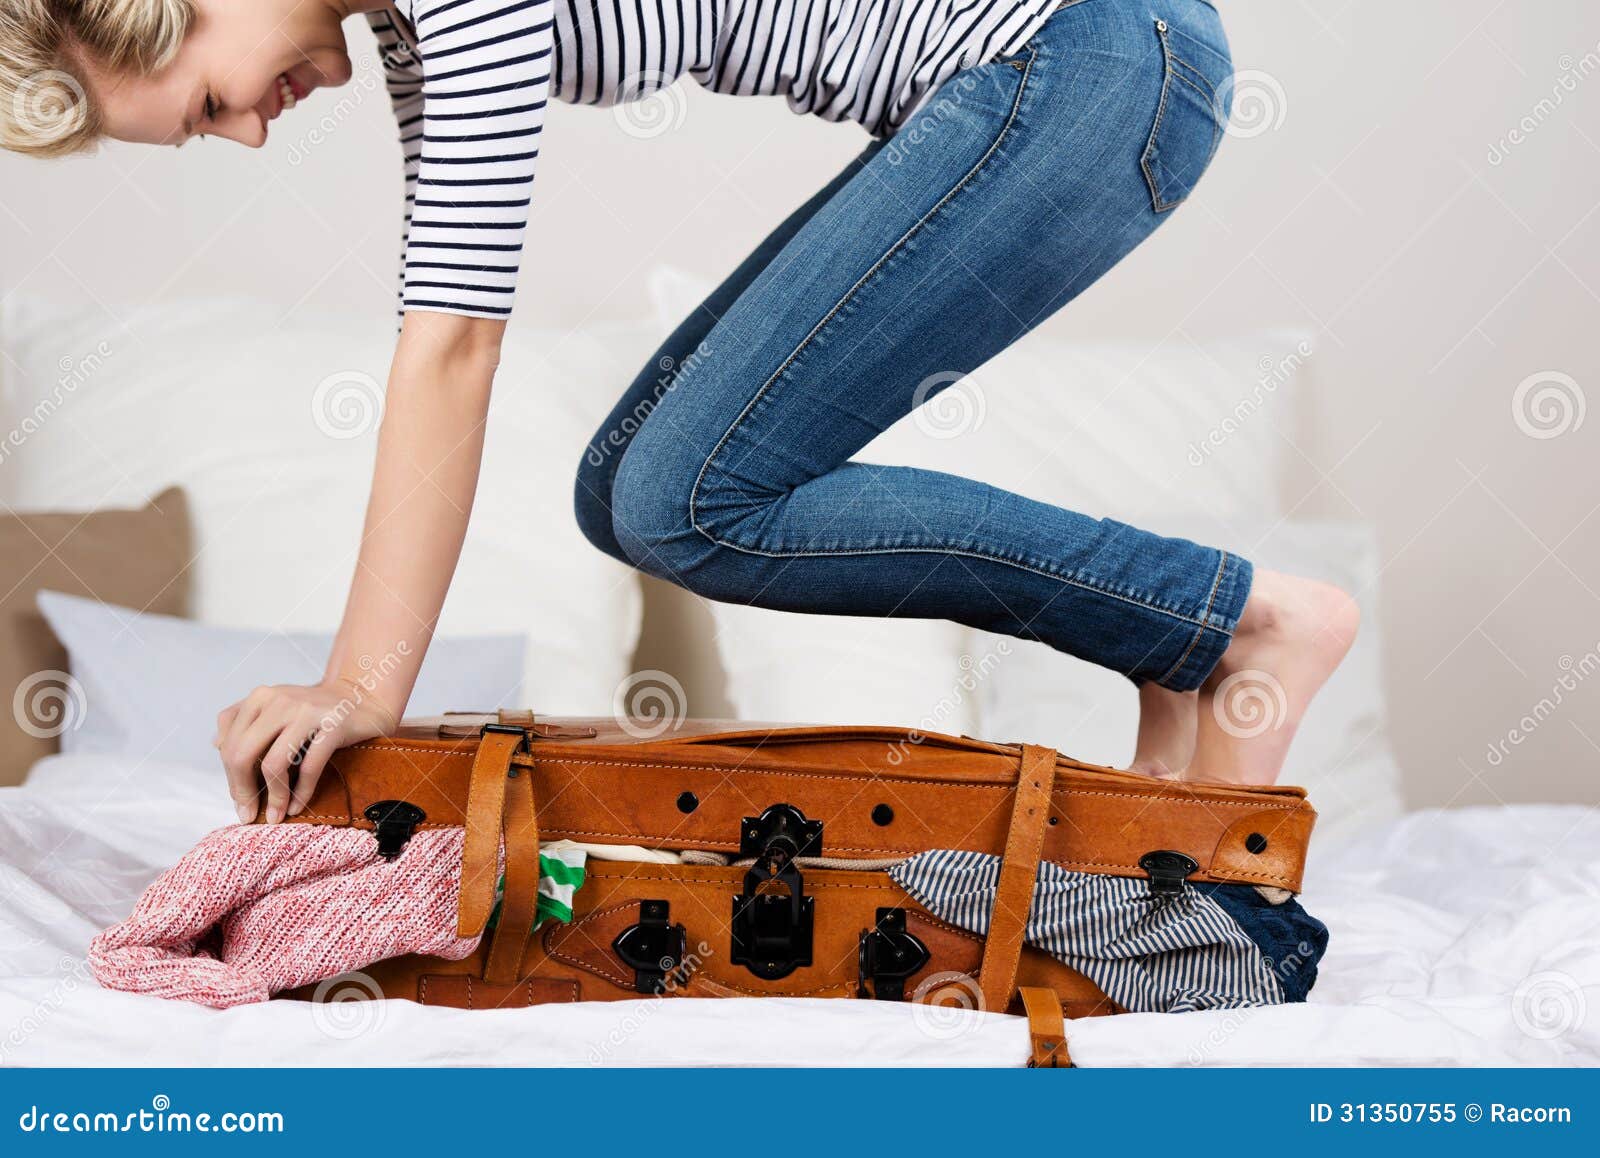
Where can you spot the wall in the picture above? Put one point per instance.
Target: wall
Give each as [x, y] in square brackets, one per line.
[1418, 181]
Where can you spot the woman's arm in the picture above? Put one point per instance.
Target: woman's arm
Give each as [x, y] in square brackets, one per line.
[429, 450]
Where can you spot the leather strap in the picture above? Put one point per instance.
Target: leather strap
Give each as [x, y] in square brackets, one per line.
[469, 725]
[480, 849]
[519, 905]
[1047, 1029]
[1019, 868]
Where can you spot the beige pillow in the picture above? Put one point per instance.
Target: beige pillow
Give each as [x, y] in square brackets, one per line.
[132, 558]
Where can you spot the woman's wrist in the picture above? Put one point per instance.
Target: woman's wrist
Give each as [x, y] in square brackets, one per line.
[364, 690]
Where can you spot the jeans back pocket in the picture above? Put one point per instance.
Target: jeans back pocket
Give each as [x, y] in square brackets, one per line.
[1189, 119]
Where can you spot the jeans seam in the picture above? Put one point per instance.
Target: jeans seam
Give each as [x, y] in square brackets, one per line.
[1156, 201]
[883, 259]
[1211, 102]
[1224, 58]
[999, 560]
[1210, 97]
[1205, 620]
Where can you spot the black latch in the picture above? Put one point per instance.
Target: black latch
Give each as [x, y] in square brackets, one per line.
[1167, 869]
[888, 956]
[395, 821]
[653, 949]
[772, 929]
[780, 831]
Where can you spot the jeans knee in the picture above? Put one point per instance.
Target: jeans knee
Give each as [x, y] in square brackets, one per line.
[658, 512]
[649, 513]
[592, 500]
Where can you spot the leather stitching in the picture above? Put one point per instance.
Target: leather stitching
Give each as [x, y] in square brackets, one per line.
[557, 954]
[1019, 870]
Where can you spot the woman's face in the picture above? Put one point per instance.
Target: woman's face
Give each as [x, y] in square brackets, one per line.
[242, 63]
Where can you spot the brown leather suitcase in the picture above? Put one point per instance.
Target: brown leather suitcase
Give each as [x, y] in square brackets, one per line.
[774, 800]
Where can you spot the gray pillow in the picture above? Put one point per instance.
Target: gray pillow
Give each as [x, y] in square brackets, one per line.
[149, 687]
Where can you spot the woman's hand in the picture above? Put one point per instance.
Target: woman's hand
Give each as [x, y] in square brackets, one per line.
[423, 484]
[274, 732]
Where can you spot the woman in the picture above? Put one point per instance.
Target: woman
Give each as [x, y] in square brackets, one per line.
[1021, 149]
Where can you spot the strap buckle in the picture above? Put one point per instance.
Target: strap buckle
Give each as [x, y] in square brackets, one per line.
[510, 730]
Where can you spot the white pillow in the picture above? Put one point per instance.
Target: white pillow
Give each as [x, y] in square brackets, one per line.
[1341, 754]
[150, 686]
[824, 669]
[271, 428]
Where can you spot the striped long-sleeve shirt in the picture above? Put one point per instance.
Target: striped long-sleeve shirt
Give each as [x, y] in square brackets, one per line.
[470, 80]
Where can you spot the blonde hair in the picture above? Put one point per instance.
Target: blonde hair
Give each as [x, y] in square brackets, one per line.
[46, 109]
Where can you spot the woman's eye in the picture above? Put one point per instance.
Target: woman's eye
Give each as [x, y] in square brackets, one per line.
[211, 107]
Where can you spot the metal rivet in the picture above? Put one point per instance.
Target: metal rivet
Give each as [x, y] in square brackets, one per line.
[1256, 843]
[688, 802]
[882, 814]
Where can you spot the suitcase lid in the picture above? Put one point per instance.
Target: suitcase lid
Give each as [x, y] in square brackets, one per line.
[877, 792]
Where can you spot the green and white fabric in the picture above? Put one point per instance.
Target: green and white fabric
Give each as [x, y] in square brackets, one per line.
[560, 876]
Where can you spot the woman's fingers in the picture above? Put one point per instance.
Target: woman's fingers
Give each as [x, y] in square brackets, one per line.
[282, 738]
[280, 762]
[241, 756]
[224, 724]
[242, 786]
[240, 717]
[312, 762]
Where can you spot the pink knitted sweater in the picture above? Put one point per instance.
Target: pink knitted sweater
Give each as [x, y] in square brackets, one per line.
[255, 909]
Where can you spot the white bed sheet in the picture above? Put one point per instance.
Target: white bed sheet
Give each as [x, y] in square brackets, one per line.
[1469, 937]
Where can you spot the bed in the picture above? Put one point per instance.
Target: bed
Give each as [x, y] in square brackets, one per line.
[1460, 936]
[1455, 942]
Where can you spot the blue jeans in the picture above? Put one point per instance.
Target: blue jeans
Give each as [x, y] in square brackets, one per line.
[726, 469]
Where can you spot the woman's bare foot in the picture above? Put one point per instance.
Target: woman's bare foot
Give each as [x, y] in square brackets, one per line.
[1167, 723]
[1291, 636]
